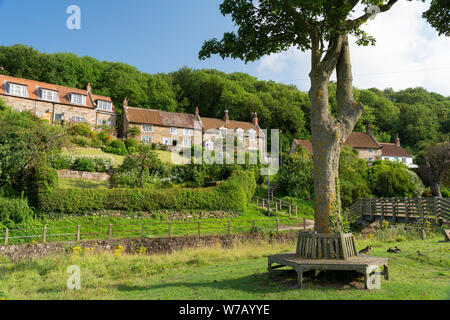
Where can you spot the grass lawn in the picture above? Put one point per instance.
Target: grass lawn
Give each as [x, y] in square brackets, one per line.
[218, 273]
[165, 156]
[66, 183]
[129, 225]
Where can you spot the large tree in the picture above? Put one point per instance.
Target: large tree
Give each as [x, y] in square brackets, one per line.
[323, 27]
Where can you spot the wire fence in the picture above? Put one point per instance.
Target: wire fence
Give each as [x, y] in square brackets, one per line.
[147, 230]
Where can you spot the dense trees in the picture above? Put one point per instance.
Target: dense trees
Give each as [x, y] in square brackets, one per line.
[416, 114]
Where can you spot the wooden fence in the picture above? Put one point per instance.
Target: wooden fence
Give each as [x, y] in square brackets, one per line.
[157, 229]
[403, 210]
[277, 205]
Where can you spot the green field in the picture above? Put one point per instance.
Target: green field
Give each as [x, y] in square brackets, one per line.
[165, 156]
[218, 273]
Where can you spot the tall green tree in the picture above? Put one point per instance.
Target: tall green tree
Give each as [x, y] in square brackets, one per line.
[321, 26]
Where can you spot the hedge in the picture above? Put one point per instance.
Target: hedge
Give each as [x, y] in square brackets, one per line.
[14, 211]
[232, 195]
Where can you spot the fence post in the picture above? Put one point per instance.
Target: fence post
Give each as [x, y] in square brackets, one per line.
[290, 209]
[110, 232]
[199, 227]
[304, 223]
[361, 209]
[78, 233]
[278, 225]
[276, 206]
[170, 229]
[407, 210]
[143, 230]
[229, 227]
[44, 235]
[435, 206]
[6, 236]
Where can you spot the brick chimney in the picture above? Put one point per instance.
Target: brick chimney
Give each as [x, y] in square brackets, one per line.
[226, 118]
[255, 119]
[369, 129]
[88, 88]
[397, 140]
[197, 112]
[125, 102]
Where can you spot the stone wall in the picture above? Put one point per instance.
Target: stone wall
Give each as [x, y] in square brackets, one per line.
[152, 245]
[91, 176]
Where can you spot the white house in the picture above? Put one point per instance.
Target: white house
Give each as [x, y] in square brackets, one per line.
[394, 152]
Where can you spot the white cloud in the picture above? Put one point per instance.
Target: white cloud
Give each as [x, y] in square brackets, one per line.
[408, 53]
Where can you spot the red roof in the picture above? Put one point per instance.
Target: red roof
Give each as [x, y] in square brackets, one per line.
[160, 118]
[392, 150]
[355, 140]
[63, 92]
[211, 123]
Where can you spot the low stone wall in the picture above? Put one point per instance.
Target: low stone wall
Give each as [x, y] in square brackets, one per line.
[152, 245]
[91, 176]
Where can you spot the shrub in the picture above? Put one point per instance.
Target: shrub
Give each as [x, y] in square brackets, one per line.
[118, 151]
[14, 211]
[84, 164]
[154, 146]
[164, 147]
[118, 144]
[62, 162]
[131, 143]
[81, 141]
[296, 176]
[96, 143]
[445, 192]
[80, 129]
[233, 195]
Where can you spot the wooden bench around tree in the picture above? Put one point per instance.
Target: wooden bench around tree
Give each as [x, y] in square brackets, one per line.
[361, 263]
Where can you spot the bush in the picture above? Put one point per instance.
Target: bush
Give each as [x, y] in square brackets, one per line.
[84, 164]
[232, 195]
[118, 151]
[81, 141]
[445, 192]
[296, 176]
[13, 212]
[80, 129]
[131, 143]
[81, 163]
[118, 144]
[134, 132]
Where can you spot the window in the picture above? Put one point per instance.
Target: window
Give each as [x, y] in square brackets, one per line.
[396, 159]
[173, 130]
[77, 99]
[223, 132]
[58, 117]
[147, 139]
[49, 95]
[187, 143]
[147, 128]
[370, 150]
[252, 135]
[166, 141]
[39, 114]
[404, 160]
[209, 145]
[18, 90]
[78, 119]
[104, 105]
[240, 134]
[188, 132]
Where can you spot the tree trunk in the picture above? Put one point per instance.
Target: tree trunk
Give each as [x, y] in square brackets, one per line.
[330, 133]
[434, 182]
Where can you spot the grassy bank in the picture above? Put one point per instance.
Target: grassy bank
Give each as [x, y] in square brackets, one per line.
[218, 273]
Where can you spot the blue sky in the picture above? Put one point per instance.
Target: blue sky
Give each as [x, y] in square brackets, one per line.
[162, 36]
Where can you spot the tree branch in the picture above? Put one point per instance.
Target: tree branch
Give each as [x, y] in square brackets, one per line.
[358, 21]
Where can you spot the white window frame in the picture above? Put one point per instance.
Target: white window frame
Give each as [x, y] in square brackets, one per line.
[147, 128]
[223, 132]
[39, 114]
[166, 141]
[19, 90]
[186, 144]
[209, 145]
[188, 132]
[240, 133]
[78, 119]
[77, 98]
[173, 130]
[49, 95]
[147, 139]
[104, 105]
[252, 135]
